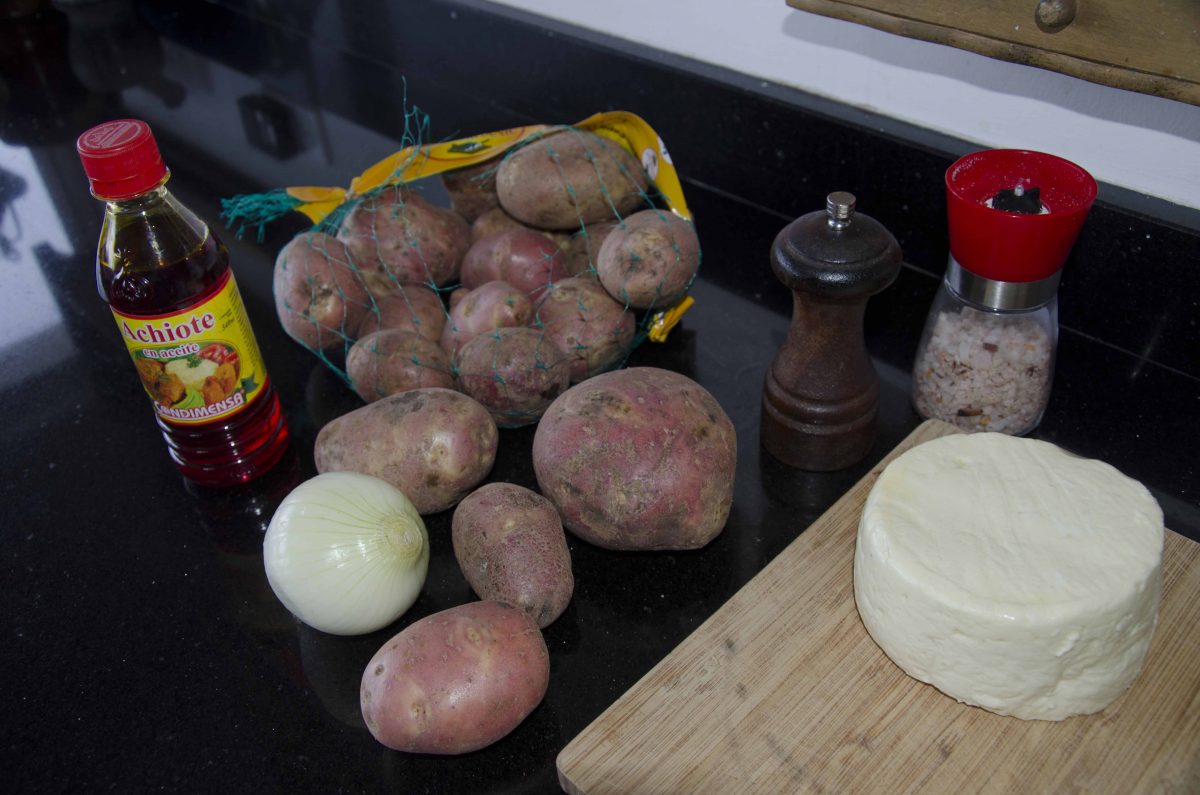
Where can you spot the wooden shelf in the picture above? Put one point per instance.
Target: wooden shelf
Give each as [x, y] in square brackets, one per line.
[1152, 47]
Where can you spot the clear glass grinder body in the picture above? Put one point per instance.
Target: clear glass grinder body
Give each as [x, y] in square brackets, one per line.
[985, 361]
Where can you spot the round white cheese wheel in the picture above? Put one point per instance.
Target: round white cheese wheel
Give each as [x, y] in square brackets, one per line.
[1010, 574]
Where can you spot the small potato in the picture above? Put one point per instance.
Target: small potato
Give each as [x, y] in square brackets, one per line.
[638, 459]
[455, 681]
[580, 255]
[523, 258]
[472, 189]
[587, 324]
[401, 238]
[649, 260]
[489, 307]
[414, 308]
[392, 361]
[514, 372]
[568, 179]
[319, 295]
[510, 545]
[433, 444]
[496, 220]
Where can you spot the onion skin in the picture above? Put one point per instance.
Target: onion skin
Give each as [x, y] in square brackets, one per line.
[346, 553]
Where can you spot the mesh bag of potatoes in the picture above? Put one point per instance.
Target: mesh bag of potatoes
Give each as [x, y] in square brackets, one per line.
[508, 265]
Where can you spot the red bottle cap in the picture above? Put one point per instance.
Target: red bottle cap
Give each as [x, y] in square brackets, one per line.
[121, 159]
[1010, 246]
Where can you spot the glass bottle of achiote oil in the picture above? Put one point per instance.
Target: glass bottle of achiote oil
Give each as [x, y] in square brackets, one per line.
[167, 279]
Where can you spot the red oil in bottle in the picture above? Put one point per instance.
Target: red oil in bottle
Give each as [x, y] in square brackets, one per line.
[167, 279]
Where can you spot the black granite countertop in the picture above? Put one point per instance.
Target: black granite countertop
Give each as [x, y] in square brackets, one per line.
[142, 648]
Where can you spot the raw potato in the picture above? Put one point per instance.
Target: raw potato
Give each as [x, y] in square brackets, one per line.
[510, 545]
[496, 220]
[414, 308]
[581, 254]
[514, 372]
[493, 305]
[649, 260]
[456, 681]
[569, 179]
[472, 189]
[397, 237]
[392, 361]
[319, 296]
[435, 445]
[491, 222]
[520, 257]
[587, 324]
[638, 459]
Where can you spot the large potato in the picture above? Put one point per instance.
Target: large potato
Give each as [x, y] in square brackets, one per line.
[514, 372]
[391, 361]
[435, 445]
[587, 324]
[397, 237]
[413, 308]
[570, 179]
[456, 681]
[319, 295]
[638, 459]
[510, 545]
[521, 257]
[649, 260]
[489, 307]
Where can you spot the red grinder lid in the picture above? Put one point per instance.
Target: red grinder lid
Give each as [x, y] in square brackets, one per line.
[120, 158]
[1011, 246]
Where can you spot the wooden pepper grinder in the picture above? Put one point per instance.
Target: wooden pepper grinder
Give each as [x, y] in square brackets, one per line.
[821, 393]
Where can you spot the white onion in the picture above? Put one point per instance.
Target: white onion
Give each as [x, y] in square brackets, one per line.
[346, 553]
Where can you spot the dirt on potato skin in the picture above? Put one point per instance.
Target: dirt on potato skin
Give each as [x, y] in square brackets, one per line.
[455, 681]
[511, 548]
[434, 444]
[639, 459]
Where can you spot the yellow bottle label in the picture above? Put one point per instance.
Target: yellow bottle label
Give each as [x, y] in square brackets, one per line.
[198, 365]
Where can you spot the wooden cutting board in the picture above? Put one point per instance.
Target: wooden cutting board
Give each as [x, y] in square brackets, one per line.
[782, 690]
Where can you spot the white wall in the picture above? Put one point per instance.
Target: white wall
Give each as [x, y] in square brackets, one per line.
[1143, 143]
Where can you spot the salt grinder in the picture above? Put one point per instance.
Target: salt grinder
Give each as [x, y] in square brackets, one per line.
[821, 393]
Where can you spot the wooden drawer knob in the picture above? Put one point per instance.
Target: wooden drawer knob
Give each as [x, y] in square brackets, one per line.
[1055, 15]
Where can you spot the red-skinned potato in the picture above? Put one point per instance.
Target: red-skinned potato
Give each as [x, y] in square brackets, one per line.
[579, 256]
[520, 257]
[455, 681]
[319, 296]
[641, 458]
[391, 361]
[587, 324]
[486, 308]
[649, 260]
[415, 308]
[568, 179]
[397, 237]
[496, 220]
[472, 189]
[434, 444]
[514, 372]
[510, 545]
